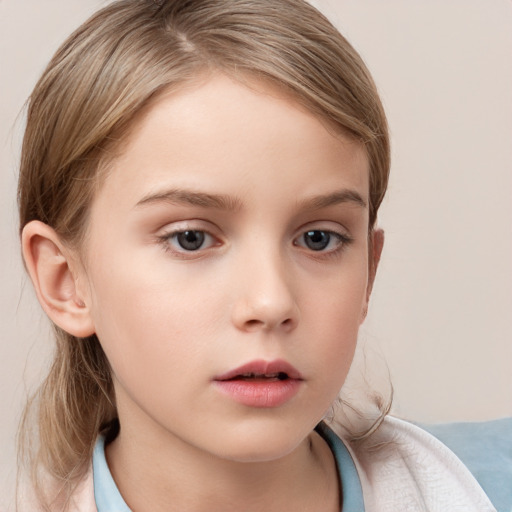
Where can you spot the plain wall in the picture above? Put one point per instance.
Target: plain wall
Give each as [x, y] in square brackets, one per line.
[442, 304]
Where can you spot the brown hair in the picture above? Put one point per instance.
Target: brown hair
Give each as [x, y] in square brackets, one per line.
[99, 80]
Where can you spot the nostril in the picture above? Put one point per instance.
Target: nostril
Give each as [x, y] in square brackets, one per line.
[258, 324]
[253, 323]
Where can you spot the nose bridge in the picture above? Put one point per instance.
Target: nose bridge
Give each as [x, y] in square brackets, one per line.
[266, 297]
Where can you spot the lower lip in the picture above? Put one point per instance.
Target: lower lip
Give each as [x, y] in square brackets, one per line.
[260, 393]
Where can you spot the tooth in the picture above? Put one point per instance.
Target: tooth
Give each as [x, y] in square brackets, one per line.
[275, 375]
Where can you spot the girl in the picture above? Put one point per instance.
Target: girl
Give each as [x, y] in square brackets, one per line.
[198, 196]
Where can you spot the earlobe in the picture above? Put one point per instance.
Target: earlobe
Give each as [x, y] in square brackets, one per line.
[49, 268]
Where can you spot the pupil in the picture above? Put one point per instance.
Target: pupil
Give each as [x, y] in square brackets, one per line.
[191, 240]
[317, 240]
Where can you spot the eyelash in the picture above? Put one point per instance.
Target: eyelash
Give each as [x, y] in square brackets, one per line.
[343, 240]
[166, 240]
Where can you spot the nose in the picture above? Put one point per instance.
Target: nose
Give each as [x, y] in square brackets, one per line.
[265, 300]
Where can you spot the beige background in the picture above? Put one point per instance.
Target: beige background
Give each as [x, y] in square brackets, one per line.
[442, 306]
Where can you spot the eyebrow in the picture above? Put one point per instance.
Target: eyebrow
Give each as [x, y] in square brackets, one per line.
[333, 199]
[233, 204]
[192, 198]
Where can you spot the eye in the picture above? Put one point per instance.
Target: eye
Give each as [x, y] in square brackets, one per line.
[189, 240]
[321, 240]
[317, 240]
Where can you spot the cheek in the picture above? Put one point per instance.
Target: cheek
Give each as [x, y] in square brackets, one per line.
[148, 320]
[333, 313]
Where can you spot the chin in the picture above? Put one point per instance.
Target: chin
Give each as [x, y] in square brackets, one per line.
[260, 443]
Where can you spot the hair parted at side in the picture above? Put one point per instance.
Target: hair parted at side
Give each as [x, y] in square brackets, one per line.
[100, 79]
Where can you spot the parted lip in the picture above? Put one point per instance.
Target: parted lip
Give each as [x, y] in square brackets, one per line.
[262, 367]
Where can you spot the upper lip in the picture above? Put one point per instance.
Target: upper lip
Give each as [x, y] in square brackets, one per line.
[262, 367]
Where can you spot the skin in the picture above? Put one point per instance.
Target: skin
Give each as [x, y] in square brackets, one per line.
[170, 320]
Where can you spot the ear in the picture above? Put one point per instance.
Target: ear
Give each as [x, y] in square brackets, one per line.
[48, 263]
[375, 245]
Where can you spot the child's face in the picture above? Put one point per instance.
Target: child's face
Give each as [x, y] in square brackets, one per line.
[233, 228]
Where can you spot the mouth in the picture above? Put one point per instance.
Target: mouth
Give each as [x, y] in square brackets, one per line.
[261, 376]
[277, 370]
[260, 384]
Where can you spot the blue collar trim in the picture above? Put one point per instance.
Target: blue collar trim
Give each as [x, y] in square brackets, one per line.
[106, 494]
[351, 491]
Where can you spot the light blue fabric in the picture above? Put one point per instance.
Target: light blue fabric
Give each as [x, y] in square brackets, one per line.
[106, 494]
[486, 449]
[351, 491]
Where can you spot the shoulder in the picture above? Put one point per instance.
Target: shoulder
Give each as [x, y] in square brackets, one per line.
[81, 499]
[486, 449]
[83, 496]
[404, 468]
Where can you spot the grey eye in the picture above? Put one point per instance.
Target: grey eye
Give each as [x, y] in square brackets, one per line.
[190, 240]
[316, 240]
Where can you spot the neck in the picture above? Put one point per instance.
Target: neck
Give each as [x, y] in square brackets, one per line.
[153, 475]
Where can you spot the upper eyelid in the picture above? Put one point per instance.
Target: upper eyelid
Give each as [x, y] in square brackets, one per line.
[343, 237]
[330, 226]
[189, 225]
[206, 226]
[168, 234]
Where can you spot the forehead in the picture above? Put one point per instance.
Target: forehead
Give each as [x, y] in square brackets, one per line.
[217, 132]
